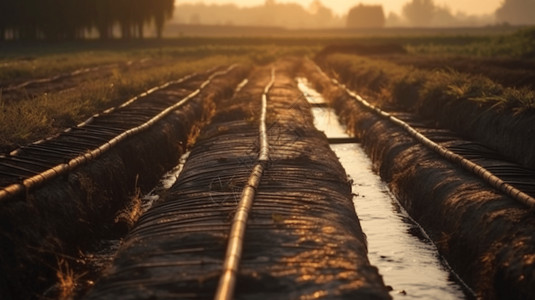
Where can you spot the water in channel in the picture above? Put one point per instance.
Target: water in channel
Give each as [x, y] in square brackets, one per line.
[398, 247]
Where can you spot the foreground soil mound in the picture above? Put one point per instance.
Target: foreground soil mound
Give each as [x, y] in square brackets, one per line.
[303, 238]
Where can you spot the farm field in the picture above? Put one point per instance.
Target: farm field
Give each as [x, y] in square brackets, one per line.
[110, 72]
[88, 128]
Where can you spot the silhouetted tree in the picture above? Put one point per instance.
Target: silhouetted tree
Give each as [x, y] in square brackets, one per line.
[61, 19]
[140, 15]
[443, 17]
[27, 19]
[4, 18]
[321, 14]
[366, 16]
[419, 12]
[103, 18]
[71, 19]
[516, 12]
[162, 10]
[270, 13]
[123, 13]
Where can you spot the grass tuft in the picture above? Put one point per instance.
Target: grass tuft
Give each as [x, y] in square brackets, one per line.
[67, 280]
[130, 214]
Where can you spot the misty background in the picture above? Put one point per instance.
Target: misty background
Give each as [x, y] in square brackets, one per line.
[415, 13]
[137, 19]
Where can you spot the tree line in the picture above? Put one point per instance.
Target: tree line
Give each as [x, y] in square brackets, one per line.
[76, 19]
[423, 13]
[270, 13]
[426, 13]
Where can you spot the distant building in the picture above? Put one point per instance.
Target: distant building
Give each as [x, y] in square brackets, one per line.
[366, 16]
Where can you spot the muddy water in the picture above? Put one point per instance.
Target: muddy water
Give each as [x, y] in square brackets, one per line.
[166, 182]
[406, 258]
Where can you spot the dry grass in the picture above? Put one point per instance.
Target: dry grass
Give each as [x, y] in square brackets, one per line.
[131, 213]
[520, 44]
[33, 118]
[21, 68]
[30, 119]
[67, 280]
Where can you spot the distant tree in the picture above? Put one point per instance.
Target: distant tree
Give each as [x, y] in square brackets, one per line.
[366, 16]
[123, 11]
[62, 19]
[443, 17]
[419, 12]
[4, 18]
[162, 10]
[72, 19]
[289, 15]
[27, 18]
[80, 17]
[141, 16]
[516, 12]
[321, 14]
[394, 20]
[47, 20]
[103, 18]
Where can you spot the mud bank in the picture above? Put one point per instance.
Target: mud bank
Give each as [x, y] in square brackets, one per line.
[487, 238]
[46, 234]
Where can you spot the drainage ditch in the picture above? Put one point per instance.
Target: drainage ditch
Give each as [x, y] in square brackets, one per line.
[406, 258]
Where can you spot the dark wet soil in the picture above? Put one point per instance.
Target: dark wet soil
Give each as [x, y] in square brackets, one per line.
[303, 239]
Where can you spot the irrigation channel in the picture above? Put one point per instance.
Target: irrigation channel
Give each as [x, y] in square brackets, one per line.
[397, 245]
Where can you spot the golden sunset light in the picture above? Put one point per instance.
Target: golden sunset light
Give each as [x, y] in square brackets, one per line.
[267, 149]
[303, 14]
[342, 6]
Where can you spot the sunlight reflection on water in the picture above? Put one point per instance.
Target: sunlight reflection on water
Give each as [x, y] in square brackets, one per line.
[407, 261]
[166, 182]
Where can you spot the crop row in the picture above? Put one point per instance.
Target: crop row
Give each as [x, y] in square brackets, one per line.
[474, 106]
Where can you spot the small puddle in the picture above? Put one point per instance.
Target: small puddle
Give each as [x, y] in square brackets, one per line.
[398, 247]
[166, 182]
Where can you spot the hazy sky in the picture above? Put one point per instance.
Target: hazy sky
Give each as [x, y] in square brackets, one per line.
[342, 6]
